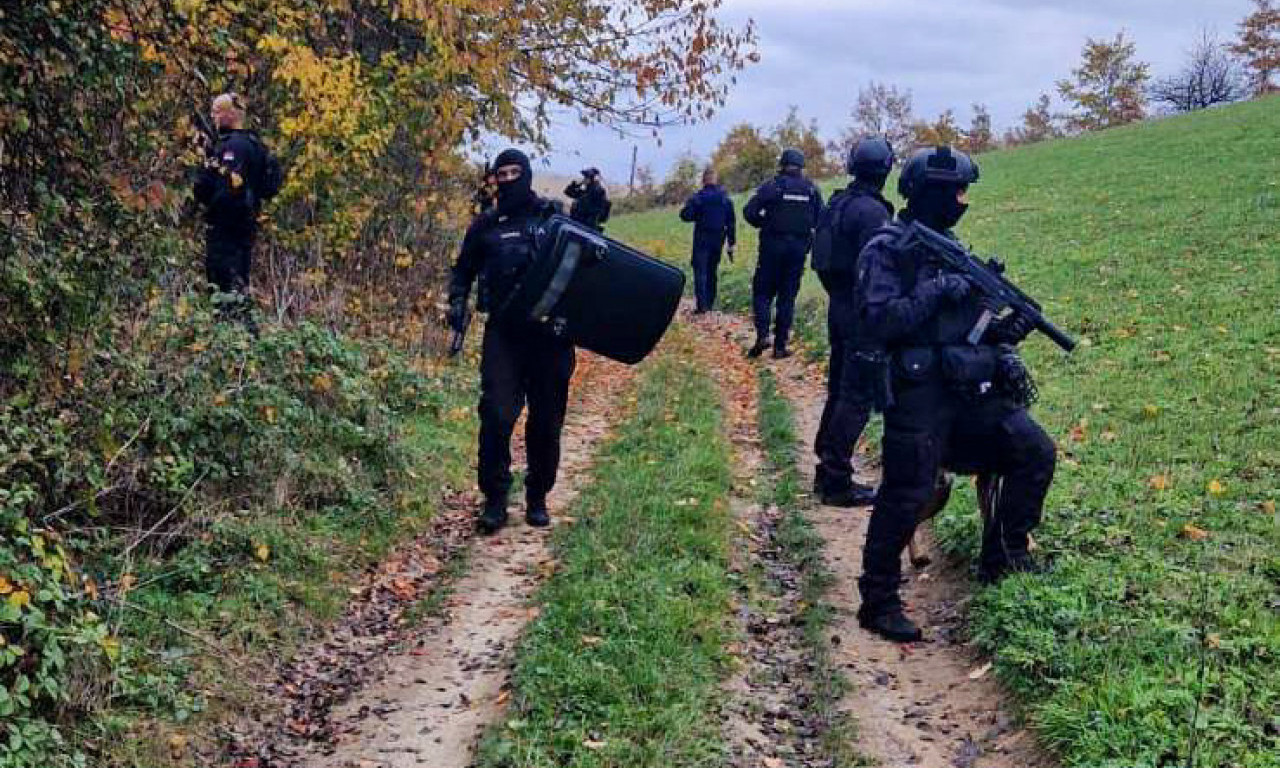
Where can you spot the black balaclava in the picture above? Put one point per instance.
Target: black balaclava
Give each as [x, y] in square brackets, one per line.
[514, 195]
[937, 207]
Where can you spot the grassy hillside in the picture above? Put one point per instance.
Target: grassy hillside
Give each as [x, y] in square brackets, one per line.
[1157, 245]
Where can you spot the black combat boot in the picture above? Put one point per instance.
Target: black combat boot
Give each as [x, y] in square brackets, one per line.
[856, 495]
[493, 517]
[1018, 563]
[781, 352]
[758, 348]
[891, 624]
[535, 513]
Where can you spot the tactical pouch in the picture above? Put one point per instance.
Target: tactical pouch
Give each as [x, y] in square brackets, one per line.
[962, 364]
[872, 372]
[914, 364]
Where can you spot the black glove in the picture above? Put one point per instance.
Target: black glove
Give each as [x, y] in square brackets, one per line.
[954, 288]
[457, 315]
[1012, 329]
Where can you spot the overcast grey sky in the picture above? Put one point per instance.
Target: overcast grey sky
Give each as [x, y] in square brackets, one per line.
[816, 53]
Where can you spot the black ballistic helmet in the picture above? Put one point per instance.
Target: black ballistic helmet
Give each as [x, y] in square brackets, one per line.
[871, 156]
[939, 165]
[792, 157]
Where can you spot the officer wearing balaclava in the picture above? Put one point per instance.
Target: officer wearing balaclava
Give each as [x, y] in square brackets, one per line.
[519, 362]
[950, 406]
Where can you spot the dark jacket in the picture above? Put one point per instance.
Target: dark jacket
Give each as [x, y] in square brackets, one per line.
[590, 203]
[714, 222]
[500, 248]
[858, 212]
[787, 205]
[899, 303]
[239, 174]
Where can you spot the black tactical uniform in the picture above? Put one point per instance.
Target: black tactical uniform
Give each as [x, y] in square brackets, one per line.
[590, 200]
[785, 210]
[853, 215]
[949, 406]
[238, 176]
[519, 362]
[714, 224]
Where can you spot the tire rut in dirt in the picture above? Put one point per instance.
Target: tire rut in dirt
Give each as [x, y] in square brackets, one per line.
[381, 693]
[932, 704]
[770, 720]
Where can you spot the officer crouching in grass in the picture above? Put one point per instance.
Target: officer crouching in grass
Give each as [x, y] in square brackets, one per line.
[851, 217]
[785, 210]
[519, 361]
[714, 224]
[953, 402]
[238, 176]
[591, 204]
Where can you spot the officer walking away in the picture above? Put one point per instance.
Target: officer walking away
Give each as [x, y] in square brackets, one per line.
[520, 362]
[591, 205]
[956, 405]
[851, 217]
[785, 211]
[238, 176]
[714, 224]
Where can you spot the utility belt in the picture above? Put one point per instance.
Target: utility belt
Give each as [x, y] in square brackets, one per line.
[973, 371]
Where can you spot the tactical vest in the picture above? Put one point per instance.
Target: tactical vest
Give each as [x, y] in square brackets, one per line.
[951, 324]
[510, 246]
[834, 254]
[791, 212]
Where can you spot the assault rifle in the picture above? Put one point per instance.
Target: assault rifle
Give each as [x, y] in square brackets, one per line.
[987, 279]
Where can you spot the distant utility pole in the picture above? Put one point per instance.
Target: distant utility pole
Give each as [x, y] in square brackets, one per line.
[631, 185]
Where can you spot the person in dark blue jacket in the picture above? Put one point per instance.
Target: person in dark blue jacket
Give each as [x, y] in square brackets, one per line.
[853, 215]
[714, 224]
[785, 210]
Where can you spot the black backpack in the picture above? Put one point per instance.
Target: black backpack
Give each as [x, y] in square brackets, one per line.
[830, 248]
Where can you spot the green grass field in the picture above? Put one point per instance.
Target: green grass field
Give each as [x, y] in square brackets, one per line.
[1157, 245]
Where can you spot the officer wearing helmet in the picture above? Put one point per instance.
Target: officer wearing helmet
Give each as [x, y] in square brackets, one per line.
[519, 362]
[852, 216]
[948, 409]
[785, 211]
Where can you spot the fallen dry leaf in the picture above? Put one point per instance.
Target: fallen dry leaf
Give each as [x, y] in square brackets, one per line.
[980, 672]
[1194, 533]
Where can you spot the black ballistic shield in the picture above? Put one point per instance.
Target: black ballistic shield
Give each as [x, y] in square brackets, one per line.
[596, 292]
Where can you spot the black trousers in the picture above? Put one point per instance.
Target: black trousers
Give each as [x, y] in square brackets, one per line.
[228, 259]
[778, 273]
[849, 400]
[706, 277]
[519, 366]
[930, 427]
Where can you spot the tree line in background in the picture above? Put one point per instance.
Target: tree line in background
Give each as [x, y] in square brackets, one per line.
[1109, 87]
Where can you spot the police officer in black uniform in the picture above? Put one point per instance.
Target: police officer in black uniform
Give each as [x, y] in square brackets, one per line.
[951, 406]
[714, 224]
[519, 362]
[853, 215]
[590, 200]
[785, 210]
[238, 176]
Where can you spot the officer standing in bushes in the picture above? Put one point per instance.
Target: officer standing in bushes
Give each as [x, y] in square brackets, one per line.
[519, 362]
[714, 224]
[238, 176]
[591, 204]
[785, 210]
[956, 405]
[852, 216]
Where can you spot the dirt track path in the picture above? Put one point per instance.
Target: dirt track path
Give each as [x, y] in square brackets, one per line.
[428, 703]
[931, 704]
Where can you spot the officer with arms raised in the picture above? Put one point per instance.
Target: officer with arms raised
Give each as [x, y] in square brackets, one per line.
[714, 224]
[519, 362]
[852, 216]
[591, 204]
[239, 174]
[952, 404]
[785, 210]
